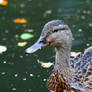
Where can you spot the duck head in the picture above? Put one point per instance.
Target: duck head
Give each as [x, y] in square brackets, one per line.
[55, 33]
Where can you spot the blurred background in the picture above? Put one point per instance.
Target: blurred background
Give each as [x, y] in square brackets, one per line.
[21, 22]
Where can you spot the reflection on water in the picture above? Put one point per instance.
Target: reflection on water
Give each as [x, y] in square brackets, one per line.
[20, 72]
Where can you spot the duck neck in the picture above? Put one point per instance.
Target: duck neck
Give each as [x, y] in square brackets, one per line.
[62, 60]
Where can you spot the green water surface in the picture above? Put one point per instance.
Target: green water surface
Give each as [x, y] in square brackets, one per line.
[20, 72]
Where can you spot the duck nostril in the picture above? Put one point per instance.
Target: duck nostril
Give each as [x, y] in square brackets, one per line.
[43, 41]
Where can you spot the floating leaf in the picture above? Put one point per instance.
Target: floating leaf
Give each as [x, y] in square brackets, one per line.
[29, 30]
[83, 17]
[44, 79]
[74, 54]
[2, 48]
[3, 73]
[31, 75]
[26, 36]
[16, 75]
[21, 44]
[14, 89]
[87, 44]
[80, 30]
[47, 12]
[20, 20]
[45, 65]
[90, 24]
[4, 62]
[24, 79]
[3, 2]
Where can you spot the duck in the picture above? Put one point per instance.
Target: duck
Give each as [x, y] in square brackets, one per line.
[67, 75]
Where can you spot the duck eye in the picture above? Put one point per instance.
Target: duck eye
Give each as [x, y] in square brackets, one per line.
[56, 30]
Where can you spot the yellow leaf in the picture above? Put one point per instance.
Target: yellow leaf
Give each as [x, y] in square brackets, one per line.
[3, 2]
[45, 65]
[20, 20]
[21, 44]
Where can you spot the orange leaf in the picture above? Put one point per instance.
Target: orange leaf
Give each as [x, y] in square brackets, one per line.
[3, 2]
[19, 20]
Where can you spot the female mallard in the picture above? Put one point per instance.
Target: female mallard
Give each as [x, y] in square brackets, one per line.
[67, 75]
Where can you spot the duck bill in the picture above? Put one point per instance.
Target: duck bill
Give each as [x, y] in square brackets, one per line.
[38, 45]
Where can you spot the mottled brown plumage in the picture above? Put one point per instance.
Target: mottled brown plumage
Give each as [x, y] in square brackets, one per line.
[57, 83]
[68, 75]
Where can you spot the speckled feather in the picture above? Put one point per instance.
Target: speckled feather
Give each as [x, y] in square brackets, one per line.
[82, 65]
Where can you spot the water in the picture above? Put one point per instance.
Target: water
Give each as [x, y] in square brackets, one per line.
[20, 72]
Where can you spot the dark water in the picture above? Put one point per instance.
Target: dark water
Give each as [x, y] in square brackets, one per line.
[22, 73]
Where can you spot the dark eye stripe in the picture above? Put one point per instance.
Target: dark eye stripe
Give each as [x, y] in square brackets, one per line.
[56, 30]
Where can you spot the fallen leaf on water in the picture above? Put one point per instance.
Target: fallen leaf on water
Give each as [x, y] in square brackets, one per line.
[3, 2]
[44, 65]
[16, 75]
[14, 89]
[74, 54]
[26, 36]
[31, 75]
[3, 73]
[29, 30]
[90, 24]
[20, 20]
[2, 48]
[30, 90]
[21, 44]
[24, 79]
[4, 62]
[83, 17]
[44, 79]
[47, 12]
[80, 30]
[87, 44]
